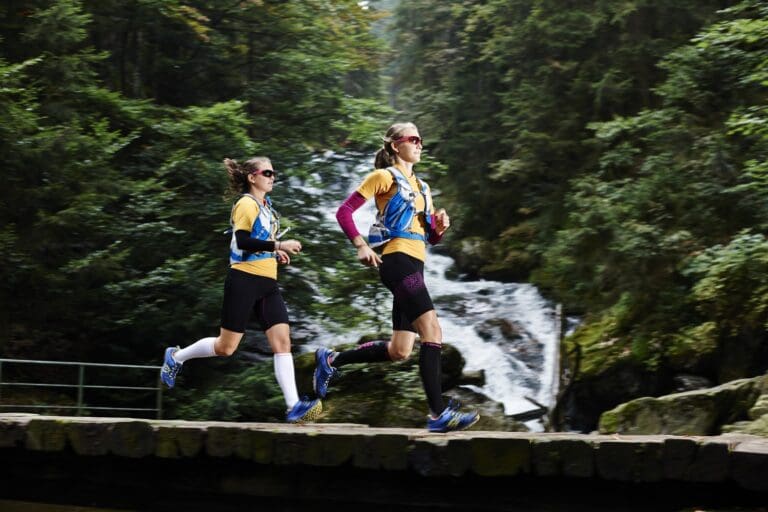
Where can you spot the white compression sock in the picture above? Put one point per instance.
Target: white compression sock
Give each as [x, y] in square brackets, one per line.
[200, 348]
[286, 378]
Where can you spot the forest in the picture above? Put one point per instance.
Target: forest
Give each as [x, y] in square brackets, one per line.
[613, 153]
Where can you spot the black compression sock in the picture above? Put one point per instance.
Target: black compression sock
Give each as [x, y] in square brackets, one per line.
[371, 352]
[430, 368]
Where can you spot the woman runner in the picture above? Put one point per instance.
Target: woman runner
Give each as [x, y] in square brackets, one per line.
[251, 286]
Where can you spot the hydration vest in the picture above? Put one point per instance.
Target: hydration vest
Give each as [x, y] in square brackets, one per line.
[264, 227]
[395, 219]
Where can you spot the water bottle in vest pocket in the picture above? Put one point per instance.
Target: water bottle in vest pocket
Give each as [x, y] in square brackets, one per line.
[378, 234]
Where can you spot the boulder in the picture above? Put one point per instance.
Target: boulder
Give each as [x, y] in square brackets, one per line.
[699, 412]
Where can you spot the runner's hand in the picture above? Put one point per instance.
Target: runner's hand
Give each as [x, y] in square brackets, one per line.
[290, 246]
[282, 257]
[368, 257]
[442, 221]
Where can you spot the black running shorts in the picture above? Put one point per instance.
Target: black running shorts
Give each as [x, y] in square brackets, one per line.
[404, 276]
[248, 294]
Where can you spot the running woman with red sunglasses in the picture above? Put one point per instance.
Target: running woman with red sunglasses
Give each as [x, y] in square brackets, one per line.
[251, 286]
[406, 222]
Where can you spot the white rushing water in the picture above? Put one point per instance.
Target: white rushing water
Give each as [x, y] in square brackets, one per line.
[507, 330]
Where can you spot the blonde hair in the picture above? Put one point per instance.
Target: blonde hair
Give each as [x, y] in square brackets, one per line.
[386, 156]
[238, 173]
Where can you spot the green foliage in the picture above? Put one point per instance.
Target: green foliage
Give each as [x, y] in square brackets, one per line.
[117, 118]
[361, 122]
[732, 283]
[601, 343]
[672, 183]
[249, 395]
[686, 349]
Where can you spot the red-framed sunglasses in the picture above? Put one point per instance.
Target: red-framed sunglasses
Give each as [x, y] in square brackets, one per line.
[413, 139]
[267, 173]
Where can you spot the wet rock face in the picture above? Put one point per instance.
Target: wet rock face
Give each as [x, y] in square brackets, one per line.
[514, 339]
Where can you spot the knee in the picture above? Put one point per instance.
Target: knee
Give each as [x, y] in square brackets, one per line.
[432, 332]
[399, 353]
[225, 350]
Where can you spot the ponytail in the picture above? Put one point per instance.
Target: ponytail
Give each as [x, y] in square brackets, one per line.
[238, 173]
[385, 157]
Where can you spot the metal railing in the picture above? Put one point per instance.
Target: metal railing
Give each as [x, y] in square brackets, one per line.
[81, 406]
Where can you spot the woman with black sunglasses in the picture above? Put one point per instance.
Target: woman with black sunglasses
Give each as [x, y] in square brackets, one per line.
[406, 222]
[251, 286]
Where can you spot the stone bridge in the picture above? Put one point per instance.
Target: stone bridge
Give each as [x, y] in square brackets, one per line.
[135, 464]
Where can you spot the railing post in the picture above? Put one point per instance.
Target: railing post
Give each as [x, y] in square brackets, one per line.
[554, 418]
[80, 382]
[159, 398]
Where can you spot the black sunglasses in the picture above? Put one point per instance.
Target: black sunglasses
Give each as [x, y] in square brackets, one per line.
[267, 173]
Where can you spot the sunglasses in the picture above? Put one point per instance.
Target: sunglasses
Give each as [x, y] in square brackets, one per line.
[413, 139]
[267, 173]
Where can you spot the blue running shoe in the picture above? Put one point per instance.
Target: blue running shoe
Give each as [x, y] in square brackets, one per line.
[305, 410]
[170, 368]
[323, 372]
[451, 419]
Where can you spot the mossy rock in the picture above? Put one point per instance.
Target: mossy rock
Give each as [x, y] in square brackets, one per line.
[699, 412]
[760, 408]
[757, 427]
[693, 349]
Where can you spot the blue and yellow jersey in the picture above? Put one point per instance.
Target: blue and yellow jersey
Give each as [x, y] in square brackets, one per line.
[380, 185]
[244, 215]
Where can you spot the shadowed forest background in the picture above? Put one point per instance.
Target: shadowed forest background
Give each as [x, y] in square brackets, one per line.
[613, 153]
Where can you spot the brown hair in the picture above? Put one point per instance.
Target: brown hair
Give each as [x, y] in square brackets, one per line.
[386, 156]
[238, 173]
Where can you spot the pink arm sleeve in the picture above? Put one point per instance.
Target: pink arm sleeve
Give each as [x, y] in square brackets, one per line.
[345, 211]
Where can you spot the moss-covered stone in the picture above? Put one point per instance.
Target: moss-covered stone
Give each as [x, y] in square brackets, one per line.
[679, 456]
[563, 456]
[699, 412]
[630, 460]
[757, 427]
[438, 456]
[760, 408]
[224, 441]
[179, 440]
[134, 439]
[262, 446]
[13, 434]
[89, 437]
[711, 462]
[282, 451]
[749, 465]
[690, 349]
[594, 346]
[381, 451]
[46, 434]
[498, 457]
